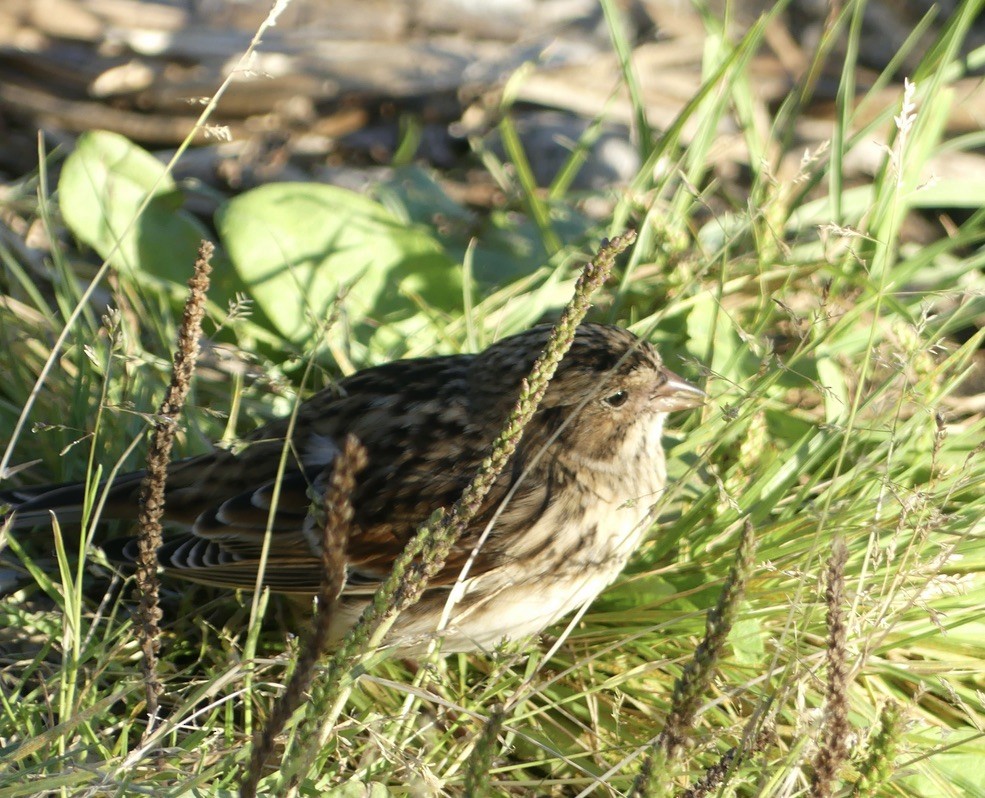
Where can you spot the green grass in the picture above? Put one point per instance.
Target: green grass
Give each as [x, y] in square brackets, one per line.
[831, 349]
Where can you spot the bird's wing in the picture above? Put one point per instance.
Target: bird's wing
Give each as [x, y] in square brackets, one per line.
[225, 545]
[197, 485]
[413, 418]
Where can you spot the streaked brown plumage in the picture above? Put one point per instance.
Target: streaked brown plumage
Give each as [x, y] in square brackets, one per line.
[563, 518]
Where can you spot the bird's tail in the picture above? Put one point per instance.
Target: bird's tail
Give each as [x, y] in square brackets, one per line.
[34, 506]
[29, 507]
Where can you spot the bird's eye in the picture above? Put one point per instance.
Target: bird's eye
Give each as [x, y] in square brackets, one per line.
[617, 399]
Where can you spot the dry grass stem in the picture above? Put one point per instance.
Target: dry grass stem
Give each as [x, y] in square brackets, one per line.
[833, 747]
[152, 486]
[333, 515]
[714, 776]
[654, 775]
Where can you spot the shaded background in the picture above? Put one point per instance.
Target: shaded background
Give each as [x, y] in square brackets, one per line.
[338, 86]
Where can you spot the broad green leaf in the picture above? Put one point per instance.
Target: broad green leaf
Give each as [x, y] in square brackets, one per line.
[296, 246]
[506, 246]
[746, 639]
[102, 186]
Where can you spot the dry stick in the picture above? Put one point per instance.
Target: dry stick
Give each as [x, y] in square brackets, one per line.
[151, 500]
[655, 770]
[833, 746]
[425, 554]
[333, 514]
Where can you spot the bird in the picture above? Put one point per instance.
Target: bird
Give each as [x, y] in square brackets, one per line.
[557, 527]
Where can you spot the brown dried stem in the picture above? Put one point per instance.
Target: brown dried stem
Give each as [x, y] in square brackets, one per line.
[151, 501]
[833, 747]
[333, 514]
[714, 777]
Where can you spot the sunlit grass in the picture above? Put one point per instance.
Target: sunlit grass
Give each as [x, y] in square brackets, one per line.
[829, 349]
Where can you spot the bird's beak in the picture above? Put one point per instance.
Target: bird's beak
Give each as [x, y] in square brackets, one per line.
[677, 394]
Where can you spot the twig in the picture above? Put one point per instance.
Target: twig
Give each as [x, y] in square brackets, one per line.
[333, 515]
[151, 501]
[833, 747]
